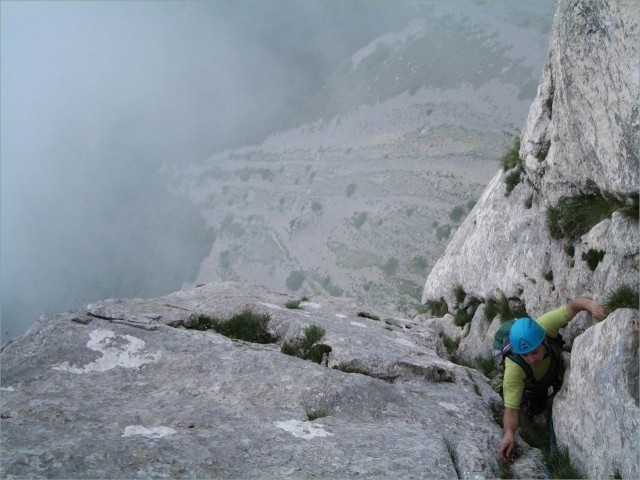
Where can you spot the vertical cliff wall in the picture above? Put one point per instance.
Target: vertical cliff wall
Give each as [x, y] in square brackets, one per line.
[578, 155]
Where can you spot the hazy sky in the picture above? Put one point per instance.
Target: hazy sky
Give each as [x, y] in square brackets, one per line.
[97, 96]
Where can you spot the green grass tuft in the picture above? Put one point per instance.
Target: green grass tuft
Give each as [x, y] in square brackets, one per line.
[459, 293]
[560, 466]
[450, 344]
[549, 276]
[308, 347]
[511, 158]
[501, 307]
[439, 308]
[593, 258]
[247, 326]
[462, 317]
[293, 304]
[623, 297]
[572, 217]
[511, 180]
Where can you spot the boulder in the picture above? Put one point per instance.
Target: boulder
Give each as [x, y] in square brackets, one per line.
[123, 389]
[596, 414]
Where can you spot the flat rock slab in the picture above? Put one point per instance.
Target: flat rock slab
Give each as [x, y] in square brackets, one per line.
[115, 392]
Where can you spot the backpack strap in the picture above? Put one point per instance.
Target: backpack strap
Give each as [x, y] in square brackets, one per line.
[523, 365]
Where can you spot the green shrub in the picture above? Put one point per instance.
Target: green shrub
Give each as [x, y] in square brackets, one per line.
[549, 276]
[443, 231]
[293, 304]
[294, 280]
[486, 365]
[308, 347]
[462, 317]
[511, 180]
[247, 326]
[439, 308]
[312, 334]
[459, 293]
[450, 344]
[470, 204]
[572, 217]
[511, 158]
[559, 464]
[391, 266]
[570, 250]
[593, 258]
[418, 264]
[358, 219]
[623, 297]
[457, 213]
[500, 306]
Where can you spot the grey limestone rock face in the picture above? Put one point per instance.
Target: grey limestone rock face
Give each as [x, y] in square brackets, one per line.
[581, 137]
[122, 389]
[597, 414]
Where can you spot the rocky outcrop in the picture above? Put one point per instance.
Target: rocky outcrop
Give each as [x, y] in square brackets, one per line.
[580, 140]
[123, 389]
[597, 414]
[504, 245]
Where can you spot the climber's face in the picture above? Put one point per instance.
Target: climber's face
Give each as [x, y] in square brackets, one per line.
[535, 357]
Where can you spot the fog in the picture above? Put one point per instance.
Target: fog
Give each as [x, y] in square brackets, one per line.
[99, 98]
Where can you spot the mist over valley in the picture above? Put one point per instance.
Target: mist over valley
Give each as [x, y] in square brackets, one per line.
[325, 148]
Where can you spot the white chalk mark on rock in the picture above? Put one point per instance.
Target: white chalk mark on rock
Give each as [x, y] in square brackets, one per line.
[117, 351]
[340, 315]
[358, 324]
[310, 305]
[154, 432]
[306, 430]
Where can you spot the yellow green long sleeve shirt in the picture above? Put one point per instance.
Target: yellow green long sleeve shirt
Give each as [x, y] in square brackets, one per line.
[514, 375]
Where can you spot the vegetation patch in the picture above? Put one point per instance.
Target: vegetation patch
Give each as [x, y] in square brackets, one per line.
[308, 348]
[358, 219]
[593, 258]
[572, 217]
[247, 326]
[450, 344]
[294, 280]
[559, 464]
[500, 306]
[457, 213]
[549, 276]
[511, 180]
[462, 317]
[293, 304]
[511, 158]
[459, 293]
[418, 264]
[623, 297]
[391, 266]
[439, 308]
[443, 231]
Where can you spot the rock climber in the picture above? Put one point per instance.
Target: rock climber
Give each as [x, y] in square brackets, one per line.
[533, 341]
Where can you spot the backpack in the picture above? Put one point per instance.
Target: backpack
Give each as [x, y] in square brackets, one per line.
[502, 349]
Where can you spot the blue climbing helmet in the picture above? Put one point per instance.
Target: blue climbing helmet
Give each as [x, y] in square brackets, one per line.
[526, 335]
